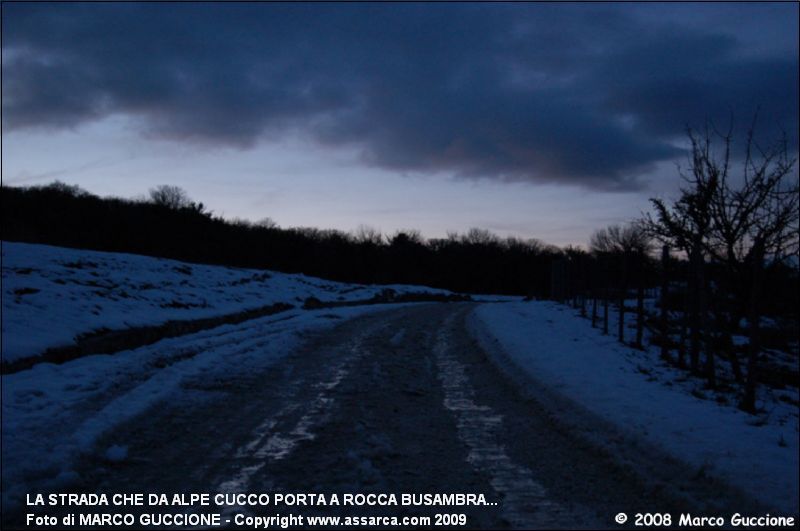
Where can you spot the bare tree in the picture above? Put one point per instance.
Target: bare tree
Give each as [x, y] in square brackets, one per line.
[750, 218]
[737, 215]
[763, 207]
[367, 235]
[754, 219]
[686, 225]
[170, 196]
[476, 236]
[632, 238]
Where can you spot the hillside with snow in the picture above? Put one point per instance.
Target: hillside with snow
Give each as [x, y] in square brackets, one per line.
[53, 295]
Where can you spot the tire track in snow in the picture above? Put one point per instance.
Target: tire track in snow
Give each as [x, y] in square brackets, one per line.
[157, 383]
[525, 504]
[269, 444]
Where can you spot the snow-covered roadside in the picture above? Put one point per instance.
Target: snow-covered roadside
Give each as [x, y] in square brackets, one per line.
[53, 414]
[641, 395]
[52, 294]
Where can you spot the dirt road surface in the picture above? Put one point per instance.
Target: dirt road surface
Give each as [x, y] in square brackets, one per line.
[400, 401]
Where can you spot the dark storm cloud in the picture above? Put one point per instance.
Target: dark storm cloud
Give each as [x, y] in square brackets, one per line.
[569, 93]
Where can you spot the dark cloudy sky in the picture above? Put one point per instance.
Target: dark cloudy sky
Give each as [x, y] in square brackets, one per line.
[538, 120]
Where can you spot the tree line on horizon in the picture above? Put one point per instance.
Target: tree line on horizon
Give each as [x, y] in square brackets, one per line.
[168, 223]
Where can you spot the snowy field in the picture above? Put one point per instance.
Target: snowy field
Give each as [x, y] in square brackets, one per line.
[639, 393]
[53, 294]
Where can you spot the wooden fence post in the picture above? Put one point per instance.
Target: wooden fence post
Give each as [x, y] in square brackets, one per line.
[640, 270]
[663, 303]
[621, 301]
[749, 400]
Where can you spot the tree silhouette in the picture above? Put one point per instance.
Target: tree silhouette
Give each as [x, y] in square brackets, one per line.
[170, 196]
[737, 216]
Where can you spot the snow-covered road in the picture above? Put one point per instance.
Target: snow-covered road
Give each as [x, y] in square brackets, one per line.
[397, 400]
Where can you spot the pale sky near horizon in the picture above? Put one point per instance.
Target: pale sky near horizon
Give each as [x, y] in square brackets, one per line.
[528, 120]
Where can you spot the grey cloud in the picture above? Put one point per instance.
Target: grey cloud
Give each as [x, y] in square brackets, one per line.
[591, 95]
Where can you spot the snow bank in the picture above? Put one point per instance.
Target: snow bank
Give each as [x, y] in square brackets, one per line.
[52, 294]
[640, 394]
